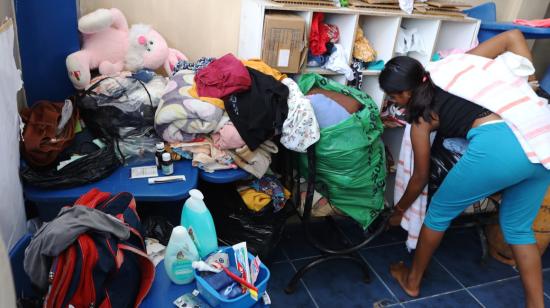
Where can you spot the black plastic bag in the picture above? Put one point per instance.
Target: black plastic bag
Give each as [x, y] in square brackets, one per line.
[91, 168]
[441, 162]
[159, 228]
[235, 223]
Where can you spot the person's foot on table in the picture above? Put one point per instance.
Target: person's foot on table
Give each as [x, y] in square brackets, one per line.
[400, 272]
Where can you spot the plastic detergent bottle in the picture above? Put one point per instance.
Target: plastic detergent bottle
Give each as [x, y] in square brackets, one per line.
[180, 254]
[198, 221]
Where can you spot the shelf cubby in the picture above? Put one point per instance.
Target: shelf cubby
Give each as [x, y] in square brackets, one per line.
[427, 29]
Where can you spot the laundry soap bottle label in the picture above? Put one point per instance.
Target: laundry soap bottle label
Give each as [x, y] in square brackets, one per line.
[182, 267]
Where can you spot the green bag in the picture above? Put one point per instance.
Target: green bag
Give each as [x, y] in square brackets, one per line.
[350, 156]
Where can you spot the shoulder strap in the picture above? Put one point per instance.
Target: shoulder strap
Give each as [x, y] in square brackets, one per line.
[92, 198]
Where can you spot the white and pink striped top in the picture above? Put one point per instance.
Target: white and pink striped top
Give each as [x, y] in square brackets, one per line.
[501, 86]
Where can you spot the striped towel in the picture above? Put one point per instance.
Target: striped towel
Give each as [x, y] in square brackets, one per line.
[501, 86]
[413, 218]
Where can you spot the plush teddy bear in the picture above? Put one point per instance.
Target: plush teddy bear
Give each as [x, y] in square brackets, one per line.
[109, 45]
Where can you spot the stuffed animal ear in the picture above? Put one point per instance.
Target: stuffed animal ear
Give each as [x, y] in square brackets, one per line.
[174, 56]
[78, 68]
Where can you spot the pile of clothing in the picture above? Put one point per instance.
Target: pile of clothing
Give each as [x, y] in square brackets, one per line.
[324, 49]
[222, 113]
[226, 113]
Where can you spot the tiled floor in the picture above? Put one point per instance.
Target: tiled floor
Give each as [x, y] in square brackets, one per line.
[455, 278]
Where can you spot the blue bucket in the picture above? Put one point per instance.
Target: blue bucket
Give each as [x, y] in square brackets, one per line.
[215, 299]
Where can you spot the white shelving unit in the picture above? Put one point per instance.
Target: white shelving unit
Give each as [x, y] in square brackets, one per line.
[379, 27]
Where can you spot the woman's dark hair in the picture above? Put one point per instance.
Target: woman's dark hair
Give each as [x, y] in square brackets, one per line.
[407, 74]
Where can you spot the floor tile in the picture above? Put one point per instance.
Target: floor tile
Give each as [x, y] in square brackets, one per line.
[459, 299]
[436, 280]
[355, 232]
[546, 259]
[278, 254]
[281, 273]
[391, 236]
[340, 284]
[296, 245]
[460, 253]
[546, 281]
[508, 293]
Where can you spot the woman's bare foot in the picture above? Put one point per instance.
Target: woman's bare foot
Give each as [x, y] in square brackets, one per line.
[401, 273]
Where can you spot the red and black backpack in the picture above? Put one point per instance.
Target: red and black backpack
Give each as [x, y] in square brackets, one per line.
[100, 270]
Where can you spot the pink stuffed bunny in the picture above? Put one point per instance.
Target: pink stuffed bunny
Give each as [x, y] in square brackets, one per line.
[109, 45]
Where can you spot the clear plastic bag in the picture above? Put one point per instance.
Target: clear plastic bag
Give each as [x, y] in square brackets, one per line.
[137, 145]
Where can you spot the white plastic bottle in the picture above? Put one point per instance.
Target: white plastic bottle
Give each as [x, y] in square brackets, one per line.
[198, 220]
[180, 254]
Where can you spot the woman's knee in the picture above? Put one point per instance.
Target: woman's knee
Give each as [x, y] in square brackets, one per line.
[514, 36]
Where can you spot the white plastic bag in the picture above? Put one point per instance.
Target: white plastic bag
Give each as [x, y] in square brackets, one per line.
[409, 40]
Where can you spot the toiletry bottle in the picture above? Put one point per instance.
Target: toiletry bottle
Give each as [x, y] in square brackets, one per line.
[179, 256]
[167, 164]
[198, 221]
[158, 153]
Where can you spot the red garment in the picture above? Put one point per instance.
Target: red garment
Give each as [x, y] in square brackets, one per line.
[543, 23]
[222, 77]
[318, 35]
[332, 32]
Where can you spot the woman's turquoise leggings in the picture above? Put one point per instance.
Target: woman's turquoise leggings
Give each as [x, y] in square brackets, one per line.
[493, 162]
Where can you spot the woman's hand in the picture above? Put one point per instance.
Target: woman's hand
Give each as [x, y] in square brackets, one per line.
[395, 219]
[396, 216]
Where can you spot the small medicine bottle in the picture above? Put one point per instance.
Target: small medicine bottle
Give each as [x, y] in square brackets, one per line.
[167, 164]
[158, 154]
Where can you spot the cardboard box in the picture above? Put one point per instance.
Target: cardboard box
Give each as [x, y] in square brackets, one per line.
[284, 42]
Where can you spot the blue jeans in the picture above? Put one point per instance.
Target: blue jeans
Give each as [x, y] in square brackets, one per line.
[493, 162]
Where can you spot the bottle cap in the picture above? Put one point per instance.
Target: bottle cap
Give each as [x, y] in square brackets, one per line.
[178, 230]
[160, 146]
[166, 157]
[195, 193]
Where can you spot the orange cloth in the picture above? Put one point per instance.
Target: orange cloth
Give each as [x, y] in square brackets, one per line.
[256, 200]
[261, 66]
[212, 100]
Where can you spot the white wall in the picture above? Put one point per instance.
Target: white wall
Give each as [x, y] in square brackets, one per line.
[195, 27]
[12, 218]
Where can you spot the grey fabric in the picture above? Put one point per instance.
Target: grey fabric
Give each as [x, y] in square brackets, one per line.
[54, 237]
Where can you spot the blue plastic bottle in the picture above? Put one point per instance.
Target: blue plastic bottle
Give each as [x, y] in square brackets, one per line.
[180, 253]
[198, 221]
